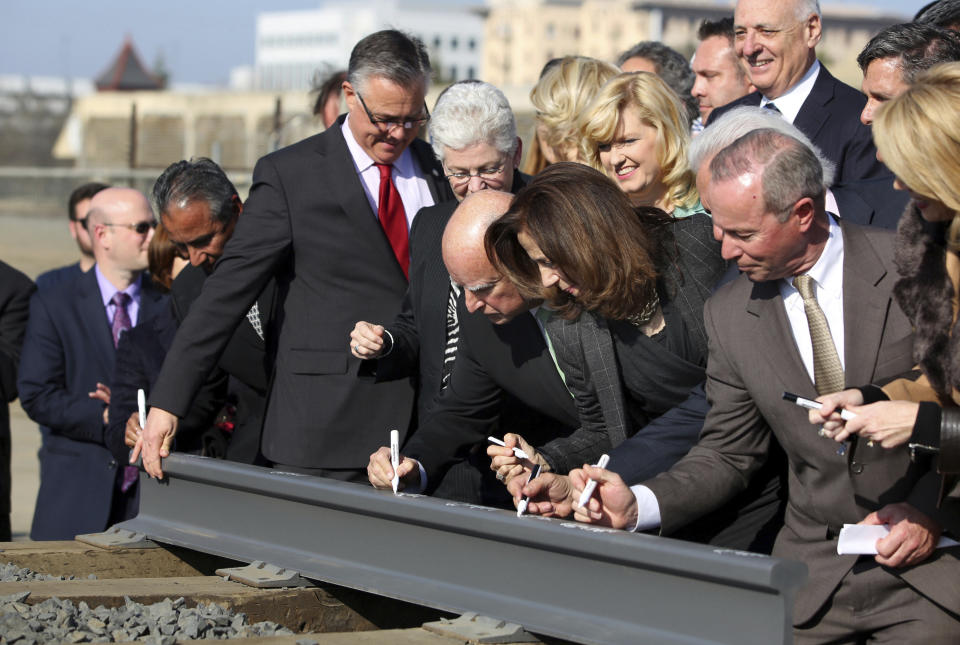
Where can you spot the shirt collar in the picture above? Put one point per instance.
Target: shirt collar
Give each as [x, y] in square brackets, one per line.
[790, 102]
[402, 167]
[828, 270]
[107, 290]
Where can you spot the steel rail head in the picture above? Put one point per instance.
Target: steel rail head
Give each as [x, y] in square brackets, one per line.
[555, 577]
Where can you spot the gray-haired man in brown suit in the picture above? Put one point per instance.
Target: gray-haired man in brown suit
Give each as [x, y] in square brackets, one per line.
[767, 198]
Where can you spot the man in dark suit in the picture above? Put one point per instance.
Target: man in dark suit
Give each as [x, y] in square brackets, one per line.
[15, 290]
[199, 207]
[68, 351]
[893, 58]
[766, 338]
[778, 42]
[502, 350]
[77, 207]
[311, 221]
[474, 135]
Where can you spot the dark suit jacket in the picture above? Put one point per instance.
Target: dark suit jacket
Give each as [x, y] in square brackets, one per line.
[830, 117]
[15, 290]
[67, 349]
[753, 359]
[308, 223]
[871, 202]
[420, 329]
[245, 359]
[56, 276]
[140, 355]
[493, 360]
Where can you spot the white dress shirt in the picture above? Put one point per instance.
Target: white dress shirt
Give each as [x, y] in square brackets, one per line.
[827, 274]
[407, 177]
[790, 102]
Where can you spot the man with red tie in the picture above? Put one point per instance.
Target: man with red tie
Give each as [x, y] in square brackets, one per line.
[328, 217]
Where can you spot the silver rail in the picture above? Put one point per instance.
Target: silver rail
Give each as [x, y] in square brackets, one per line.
[554, 577]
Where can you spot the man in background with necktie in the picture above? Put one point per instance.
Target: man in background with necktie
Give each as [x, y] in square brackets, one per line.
[328, 218]
[68, 354]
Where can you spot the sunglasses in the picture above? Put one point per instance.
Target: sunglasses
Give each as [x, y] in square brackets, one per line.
[140, 228]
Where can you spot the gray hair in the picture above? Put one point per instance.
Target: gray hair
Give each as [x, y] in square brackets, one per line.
[672, 67]
[198, 179]
[471, 112]
[390, 54]
[943, 13]
[917, 46]
[789, 171]
[803, 8]
[739, 121]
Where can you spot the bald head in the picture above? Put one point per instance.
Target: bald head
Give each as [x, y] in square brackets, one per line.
[485, 290]
[121, 225]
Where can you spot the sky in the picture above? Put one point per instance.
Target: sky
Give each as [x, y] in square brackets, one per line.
[200, 40]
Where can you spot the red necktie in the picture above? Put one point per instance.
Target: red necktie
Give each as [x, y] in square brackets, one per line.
[393, 218]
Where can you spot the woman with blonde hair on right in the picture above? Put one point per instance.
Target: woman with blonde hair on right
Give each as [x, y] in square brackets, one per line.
[566, 87]
[918, 137]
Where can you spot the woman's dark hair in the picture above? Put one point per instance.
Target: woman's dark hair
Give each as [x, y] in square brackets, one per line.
[161, 253]
[587, 227]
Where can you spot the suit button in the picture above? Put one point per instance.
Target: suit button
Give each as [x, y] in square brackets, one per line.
[856, 467]
[113, 462]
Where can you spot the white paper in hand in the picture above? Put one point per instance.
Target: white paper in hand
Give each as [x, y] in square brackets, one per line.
[861, 539]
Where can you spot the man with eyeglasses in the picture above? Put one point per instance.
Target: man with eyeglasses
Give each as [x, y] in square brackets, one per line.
[777, 41]
[474, 134]
[77, 207]
[328, 217]
[68, 355]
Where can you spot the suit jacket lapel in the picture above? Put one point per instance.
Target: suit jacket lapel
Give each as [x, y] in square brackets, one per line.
[93, 318]
[775, 338]
[813, 113]
[336, 165]
[865, 305]
[431, 171]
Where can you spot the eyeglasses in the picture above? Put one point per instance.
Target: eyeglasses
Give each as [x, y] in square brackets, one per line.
[140, 228]
[388, 124]
[489, 175]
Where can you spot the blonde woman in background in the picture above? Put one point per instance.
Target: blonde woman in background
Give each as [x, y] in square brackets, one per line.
[636, 131]
[566, 87]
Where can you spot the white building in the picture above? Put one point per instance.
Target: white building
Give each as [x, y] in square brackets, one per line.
[291, 46]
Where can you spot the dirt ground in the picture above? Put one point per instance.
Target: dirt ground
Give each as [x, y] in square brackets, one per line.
[33, 245]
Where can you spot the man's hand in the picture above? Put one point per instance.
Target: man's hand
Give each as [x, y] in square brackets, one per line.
[380, 471]
[155, 441]
[366, 340]
[508, 466]
[102, 393]
[613, 504]
[551, 495]
[913, 536]
[132, 430]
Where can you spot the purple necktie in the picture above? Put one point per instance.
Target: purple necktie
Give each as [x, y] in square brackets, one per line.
[121, 319]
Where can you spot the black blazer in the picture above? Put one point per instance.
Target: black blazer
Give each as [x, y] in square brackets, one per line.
[830, 117]
[140, 355]
[871, 202]
[308, 223]
[245, 359]
[15, 290]
[58, 275]
[67, 350]
[494, 361]
[420, 329]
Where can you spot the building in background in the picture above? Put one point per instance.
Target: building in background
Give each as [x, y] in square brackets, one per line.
[522, 35]
[291, 46]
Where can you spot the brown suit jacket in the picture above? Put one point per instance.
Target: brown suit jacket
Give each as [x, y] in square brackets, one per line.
[753, 359]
